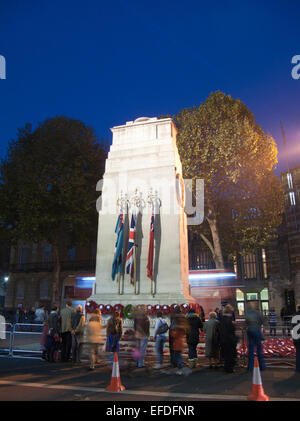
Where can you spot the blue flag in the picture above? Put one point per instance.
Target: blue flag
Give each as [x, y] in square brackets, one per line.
[117, 261]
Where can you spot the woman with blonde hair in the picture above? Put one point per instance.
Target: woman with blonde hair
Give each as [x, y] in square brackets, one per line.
[94, 338]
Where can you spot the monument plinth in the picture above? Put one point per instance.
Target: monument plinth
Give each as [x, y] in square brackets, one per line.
[144, 158]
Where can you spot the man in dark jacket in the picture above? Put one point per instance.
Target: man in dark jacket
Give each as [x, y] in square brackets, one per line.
[192, 337]
[295, 333]
[52, 341]
[228, 340]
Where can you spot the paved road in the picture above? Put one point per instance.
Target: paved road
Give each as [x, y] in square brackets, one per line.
[26, 379]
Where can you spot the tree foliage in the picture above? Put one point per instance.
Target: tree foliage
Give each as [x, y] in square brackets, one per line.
[48, 185]
[220, 142]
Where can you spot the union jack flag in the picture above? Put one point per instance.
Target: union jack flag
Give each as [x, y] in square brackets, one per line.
[130, 250]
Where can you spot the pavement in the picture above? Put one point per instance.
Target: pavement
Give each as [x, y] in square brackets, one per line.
[24, 379]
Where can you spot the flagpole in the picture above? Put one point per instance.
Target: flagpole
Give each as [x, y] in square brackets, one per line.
[134, 268]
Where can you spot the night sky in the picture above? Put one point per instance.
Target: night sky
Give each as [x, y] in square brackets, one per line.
[110, 62]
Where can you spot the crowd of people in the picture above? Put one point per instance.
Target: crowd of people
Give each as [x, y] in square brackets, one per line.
[65, 331]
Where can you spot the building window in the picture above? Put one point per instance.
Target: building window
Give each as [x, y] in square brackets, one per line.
[47, 254]
[251, 296]
[241, 308]
[264, 294]
[290, 180]
[250, 266]
[292, 198]
[44, 290]
[264, 262]
[72, 253]
[240, 296]
[265, 307]
[20, 290]
[24, 255]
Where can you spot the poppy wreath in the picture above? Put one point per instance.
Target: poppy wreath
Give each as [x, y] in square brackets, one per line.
[157, 308]
[166, 309]
[150, 309]
[119, 308]
[129, 311]
[172, 307]
[108, 309]
[91, 306]
[101, 307]
[184, 308]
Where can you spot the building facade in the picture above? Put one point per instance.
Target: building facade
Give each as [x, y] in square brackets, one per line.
[283, 254]
[31, 274]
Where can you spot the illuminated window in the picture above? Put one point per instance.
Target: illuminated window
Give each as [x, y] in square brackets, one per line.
[265, 307]
[252, 296]
[264, 294]
[264, 262]
[241, 308]
[290, 180]
[292, 198]
[239, 295]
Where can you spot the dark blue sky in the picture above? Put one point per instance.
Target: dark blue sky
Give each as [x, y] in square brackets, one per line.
[109, 62]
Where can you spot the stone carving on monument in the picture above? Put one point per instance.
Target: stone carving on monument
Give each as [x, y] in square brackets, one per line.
[143, 175]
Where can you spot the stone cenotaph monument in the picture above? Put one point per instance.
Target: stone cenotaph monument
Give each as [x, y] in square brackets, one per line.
[143, 173]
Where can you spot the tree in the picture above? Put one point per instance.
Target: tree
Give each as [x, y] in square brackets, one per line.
[48, 186]
[220, 142]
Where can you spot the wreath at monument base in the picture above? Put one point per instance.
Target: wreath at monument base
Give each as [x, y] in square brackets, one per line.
[129, 310]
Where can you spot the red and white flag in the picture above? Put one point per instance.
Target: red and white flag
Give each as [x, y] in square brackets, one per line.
[151, 249]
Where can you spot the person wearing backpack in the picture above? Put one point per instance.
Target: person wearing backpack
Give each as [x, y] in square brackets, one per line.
[161, 327]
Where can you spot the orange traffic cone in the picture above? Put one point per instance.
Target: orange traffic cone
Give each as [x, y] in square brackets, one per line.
[257, 393]
[115, 384]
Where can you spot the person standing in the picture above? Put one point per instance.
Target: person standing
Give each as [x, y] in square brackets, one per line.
[53, 339]
[161, 327]
[192, 339]
[212, 340]
[202, 315]
[297, 341]
[228, 339]
[272, 321]
[114, 330]
[171, 350]
[78, 323]
[142, 332]
[94, 336]
[178, 333]
[66, 329]
[254, 323]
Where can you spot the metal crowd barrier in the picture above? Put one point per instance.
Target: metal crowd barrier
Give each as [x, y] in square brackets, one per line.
[21, 340]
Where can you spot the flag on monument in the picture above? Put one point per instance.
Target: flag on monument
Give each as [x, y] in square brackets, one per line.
[117, 261]
[130, 250]
[151, 249]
